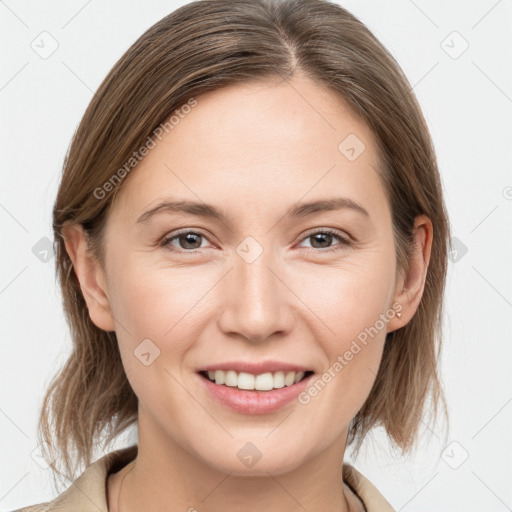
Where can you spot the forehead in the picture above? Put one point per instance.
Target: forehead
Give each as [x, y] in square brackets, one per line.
[257, 145]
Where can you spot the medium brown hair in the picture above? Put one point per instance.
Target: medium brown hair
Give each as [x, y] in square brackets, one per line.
[200, 47]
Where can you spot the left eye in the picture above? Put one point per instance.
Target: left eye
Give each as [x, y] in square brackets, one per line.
[326, 236]
[189, 241]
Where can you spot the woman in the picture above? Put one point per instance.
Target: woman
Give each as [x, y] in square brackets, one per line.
[252, 249]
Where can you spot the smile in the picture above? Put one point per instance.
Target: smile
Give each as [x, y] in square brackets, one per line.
[261, 382]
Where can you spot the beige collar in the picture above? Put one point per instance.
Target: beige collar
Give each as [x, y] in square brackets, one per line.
[88, 493]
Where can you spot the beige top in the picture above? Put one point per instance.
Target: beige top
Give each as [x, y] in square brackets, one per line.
[88, 493]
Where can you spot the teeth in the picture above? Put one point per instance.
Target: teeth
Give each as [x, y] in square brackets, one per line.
[299, 376]
[262, 382]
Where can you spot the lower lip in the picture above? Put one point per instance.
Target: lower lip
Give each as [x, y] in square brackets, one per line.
[254, 402]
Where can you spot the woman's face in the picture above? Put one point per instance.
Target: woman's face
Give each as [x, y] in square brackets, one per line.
[263, 283]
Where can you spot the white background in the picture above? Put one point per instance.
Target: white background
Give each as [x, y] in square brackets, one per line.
[467, 102]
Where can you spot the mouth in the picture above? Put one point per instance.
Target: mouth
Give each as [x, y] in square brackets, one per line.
[245, 381]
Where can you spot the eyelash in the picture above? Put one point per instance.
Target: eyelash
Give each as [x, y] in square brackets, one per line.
[345, 242]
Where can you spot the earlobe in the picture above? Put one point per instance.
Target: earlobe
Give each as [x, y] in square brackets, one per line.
[411, 290]
[90, 276]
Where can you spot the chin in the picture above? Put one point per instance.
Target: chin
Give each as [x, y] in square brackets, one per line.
[246, 459]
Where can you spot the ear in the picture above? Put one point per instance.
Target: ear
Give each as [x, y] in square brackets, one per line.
[90, 276]
[410, 289]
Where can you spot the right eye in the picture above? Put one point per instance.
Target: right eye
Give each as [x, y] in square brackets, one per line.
[185, 238]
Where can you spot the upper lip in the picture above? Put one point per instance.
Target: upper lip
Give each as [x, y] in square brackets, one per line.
[255, 368]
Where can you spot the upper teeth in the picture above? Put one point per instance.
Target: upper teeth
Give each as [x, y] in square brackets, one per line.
[262, 382]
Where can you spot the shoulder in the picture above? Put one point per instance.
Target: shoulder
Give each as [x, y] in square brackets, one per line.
[372, 499]
[88, 493]
[41, 507]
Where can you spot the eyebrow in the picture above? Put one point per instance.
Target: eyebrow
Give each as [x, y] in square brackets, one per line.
[212, 212]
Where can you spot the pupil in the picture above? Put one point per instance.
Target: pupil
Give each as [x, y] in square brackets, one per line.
[327, 238]
[187, 237]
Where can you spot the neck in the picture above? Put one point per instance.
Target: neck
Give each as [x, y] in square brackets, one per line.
[165, 474]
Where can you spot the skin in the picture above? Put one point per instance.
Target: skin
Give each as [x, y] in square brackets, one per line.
[253, 150]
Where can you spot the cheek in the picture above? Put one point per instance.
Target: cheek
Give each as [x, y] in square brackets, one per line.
[354, 304]
[353, 350]
[154, 299]
[350, 297]
[151, 299]
[154, 309]
[159, 300]
[162, 303]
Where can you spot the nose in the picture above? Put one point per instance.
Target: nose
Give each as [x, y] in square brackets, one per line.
[257, 302]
